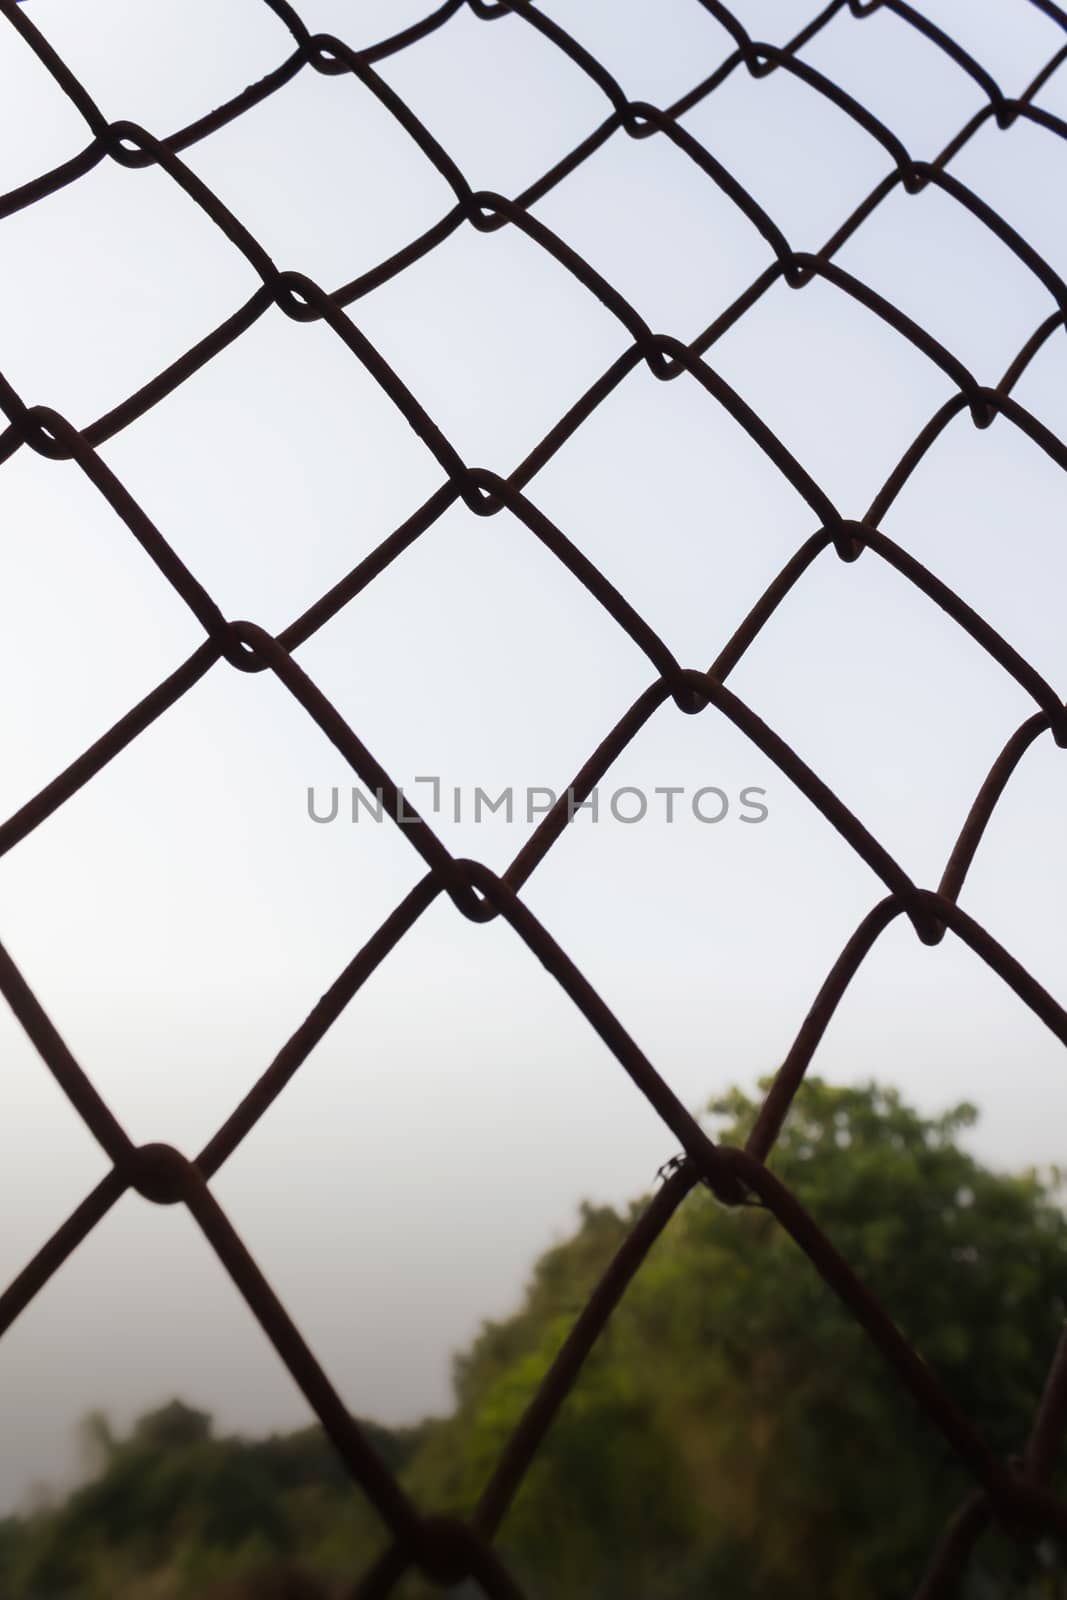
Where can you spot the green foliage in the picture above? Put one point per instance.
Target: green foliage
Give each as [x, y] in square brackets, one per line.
[733, 1432]
[174, 1510]
[735, 1427]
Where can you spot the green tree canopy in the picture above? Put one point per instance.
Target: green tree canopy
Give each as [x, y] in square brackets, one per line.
[733, 1434]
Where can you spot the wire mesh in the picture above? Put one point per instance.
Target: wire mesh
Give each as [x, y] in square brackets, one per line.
[449, 1550]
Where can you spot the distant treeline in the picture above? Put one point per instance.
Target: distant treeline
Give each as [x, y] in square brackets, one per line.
[733, 1434]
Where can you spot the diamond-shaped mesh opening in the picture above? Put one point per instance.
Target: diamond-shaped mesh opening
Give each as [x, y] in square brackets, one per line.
[449, 327]
[817, 366]
[925, 281]
[286, 191]
[260, 522]
[801, 155]
[925, 99]
[482, 91]
[681, 257]
[102, 337]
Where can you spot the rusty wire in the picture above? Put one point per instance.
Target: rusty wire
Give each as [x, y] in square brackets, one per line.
[448, 1549]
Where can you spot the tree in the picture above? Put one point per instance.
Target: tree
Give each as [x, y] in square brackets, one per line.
[735, 1428]
[175, 1512]
[174, 1426]
[733, 1433]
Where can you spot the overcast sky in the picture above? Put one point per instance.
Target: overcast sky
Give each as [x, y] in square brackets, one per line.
[181, 914]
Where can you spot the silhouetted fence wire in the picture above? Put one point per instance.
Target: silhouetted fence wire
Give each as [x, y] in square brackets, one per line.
[448, 1549]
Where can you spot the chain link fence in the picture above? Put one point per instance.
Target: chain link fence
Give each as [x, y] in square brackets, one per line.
[447, 1550]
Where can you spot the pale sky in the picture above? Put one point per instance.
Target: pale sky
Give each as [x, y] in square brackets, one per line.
[181, 914]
